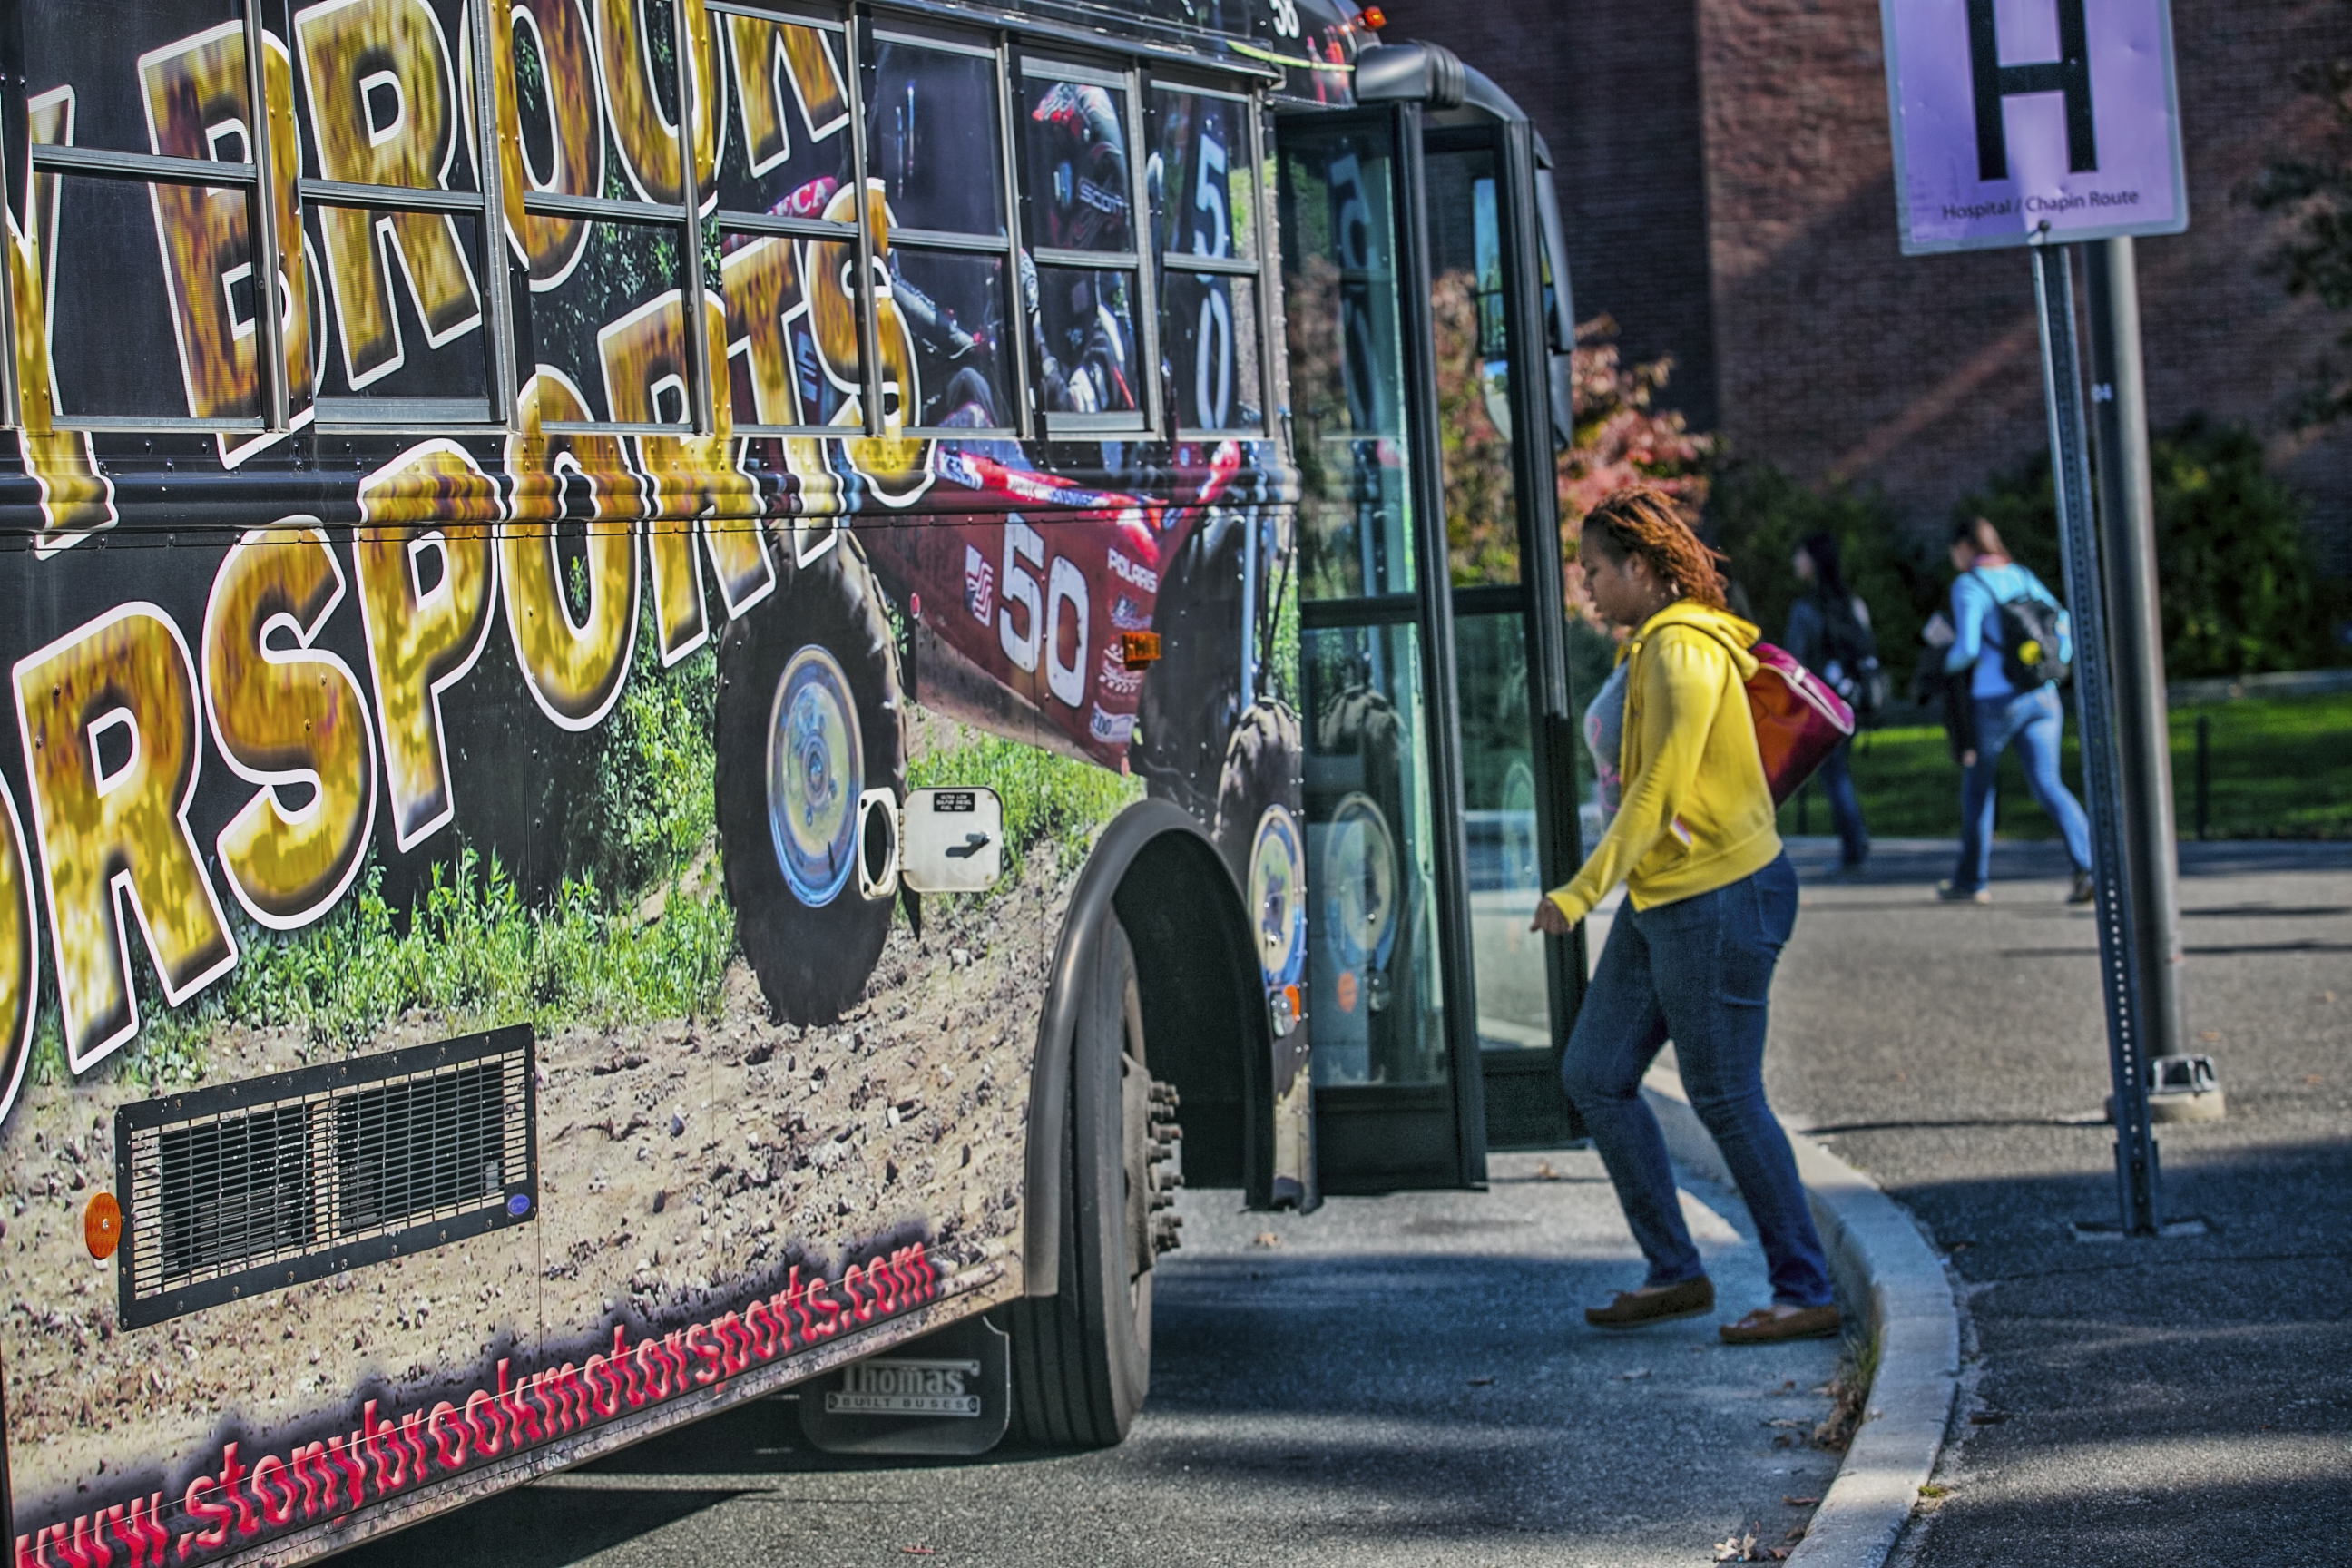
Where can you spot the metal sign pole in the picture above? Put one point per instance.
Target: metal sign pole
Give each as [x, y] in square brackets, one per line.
[2136, 1176]
[2136, 636]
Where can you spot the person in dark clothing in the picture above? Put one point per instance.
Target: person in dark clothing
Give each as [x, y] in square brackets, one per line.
[1829, 633]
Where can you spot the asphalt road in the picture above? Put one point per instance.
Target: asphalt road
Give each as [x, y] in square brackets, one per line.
[1395, 1380]
[2128, 1403]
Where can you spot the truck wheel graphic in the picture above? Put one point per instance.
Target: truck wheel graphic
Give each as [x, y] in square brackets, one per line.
[1258, 834]
[809, 718]
[1186, 709]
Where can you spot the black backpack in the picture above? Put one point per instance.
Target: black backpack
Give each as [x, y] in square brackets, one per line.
[1849, 658]
[2029, 641]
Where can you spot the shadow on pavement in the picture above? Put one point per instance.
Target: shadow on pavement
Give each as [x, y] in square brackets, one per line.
[534, 1528]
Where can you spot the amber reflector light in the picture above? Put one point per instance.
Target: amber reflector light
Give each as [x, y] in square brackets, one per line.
[101, 1225]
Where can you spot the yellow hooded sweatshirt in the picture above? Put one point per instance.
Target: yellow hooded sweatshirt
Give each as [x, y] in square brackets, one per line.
[1694, 814]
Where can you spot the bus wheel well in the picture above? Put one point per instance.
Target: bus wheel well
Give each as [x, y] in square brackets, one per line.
[1204, 1015]
[1202, 992]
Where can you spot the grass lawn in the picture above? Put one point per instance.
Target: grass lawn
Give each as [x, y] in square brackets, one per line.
[2278, 768]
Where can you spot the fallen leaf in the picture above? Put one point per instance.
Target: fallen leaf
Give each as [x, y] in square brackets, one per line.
[1544, 1172]
[2208, 1035]
[1801, 1501]
[1935, 1492]
[1265, 1238]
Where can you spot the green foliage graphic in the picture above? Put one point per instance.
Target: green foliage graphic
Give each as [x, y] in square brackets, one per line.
[638, 928]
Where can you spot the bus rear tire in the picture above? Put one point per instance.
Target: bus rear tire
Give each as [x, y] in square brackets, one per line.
[1082, 1357]
[824, 628]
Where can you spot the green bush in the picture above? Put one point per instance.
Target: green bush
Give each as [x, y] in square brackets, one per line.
[2238, 591]
[1756, 514]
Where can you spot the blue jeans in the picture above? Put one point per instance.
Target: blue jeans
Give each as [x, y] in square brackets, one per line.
[1837, 783]
[2033, 720]
[1698, 970]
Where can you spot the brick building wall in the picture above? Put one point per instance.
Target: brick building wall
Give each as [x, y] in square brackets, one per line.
[1801, 331]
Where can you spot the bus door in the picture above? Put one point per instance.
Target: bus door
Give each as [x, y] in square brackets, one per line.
[1499, 327]
[1432, 671]
[1395, 1059]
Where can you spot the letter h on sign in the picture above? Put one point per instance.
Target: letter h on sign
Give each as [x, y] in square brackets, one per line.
[2069, 74]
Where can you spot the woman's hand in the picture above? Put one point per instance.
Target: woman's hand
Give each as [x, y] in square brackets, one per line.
[1549, 921]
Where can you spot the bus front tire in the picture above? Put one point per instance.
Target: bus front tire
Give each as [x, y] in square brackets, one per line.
[1082, 1357]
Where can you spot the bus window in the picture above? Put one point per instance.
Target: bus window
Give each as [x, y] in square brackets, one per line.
[1203, 193]
[934, 144]
[404, 264]
[115, 311]
[788, 225]
[1474, 367]
[603, 227]
[1083, 293]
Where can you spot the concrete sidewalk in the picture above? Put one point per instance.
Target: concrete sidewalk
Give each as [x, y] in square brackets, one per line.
[1404, 1380]
[2127, 1402]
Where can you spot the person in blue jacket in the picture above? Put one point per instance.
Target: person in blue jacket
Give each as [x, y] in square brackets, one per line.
[2001, 714]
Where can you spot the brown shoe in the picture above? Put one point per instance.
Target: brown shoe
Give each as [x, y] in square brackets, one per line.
[1764, 1327]
[1663, 1304]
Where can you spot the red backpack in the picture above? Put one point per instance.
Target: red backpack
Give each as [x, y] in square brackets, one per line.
[1799, 720]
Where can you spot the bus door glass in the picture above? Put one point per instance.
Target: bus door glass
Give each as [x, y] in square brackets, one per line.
[1495, 451]
[1382, 973]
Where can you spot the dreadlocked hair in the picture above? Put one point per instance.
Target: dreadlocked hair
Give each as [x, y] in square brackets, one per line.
[1643, 521]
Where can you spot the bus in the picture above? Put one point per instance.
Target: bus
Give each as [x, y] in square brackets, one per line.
[680, 670]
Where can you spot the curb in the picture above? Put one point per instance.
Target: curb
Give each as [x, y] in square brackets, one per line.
[1877, 1257]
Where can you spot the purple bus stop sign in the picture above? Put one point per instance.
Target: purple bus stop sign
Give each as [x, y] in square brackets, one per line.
[2024, 120]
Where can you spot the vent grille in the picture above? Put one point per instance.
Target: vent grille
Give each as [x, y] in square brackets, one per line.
[252, 1186]
[234, 1189]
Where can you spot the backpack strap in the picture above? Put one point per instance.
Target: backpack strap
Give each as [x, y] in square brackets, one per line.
[1986, 583]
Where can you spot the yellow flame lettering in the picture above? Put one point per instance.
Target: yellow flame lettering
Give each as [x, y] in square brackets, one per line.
[647, 138]
[108, 717]
[767, 54]
[20, 954]
[431, 507]
[381, 94]
[76, 499]
[194, 90]
[286, 718]
[575, 669]
[565, 46]
[645, 354]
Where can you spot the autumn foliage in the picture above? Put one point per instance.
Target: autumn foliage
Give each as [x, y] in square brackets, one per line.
[1620, 440]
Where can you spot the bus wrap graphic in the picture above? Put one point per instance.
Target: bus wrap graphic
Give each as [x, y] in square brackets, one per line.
[478, 542]
[247, 1499]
